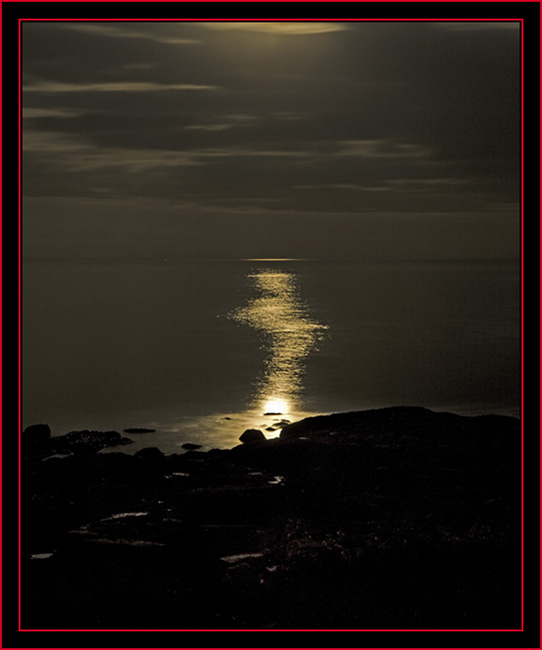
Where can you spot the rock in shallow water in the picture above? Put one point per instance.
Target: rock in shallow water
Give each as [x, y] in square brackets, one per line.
[252, 435]
[87, 442]
[35, 439]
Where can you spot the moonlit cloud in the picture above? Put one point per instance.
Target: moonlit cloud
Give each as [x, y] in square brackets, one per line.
[87, 157]
[118, 30]
[279, 28]
[110, 87]
[382, 149]
[132, 160]
[289, 115]
[234, 152]
[50, 142]
[430, 182]
[243, 118]
[342, 186]
[265, 118]
[476, 25]
[78, 156]
[410, 184]
[208, 127]
[38, 113]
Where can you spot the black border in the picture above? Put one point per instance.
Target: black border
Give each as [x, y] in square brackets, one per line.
[11, 13]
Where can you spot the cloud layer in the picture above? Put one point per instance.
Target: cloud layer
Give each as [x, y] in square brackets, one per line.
[273, 117]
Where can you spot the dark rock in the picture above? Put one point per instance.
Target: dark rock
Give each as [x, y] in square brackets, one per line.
[35, 439]
[194, 454]
[150, 453]
[252, 435]
[395, 424]
[326, 527]
[39, 433]
[190, 446]
[85, 442]
[139, 430]
[281, 423]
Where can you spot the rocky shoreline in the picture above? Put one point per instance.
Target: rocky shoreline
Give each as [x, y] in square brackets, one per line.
[396, 518]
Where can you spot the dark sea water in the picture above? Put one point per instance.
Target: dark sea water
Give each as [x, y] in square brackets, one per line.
[200, 351]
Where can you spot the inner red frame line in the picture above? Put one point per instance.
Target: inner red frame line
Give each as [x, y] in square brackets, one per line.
[520, 20]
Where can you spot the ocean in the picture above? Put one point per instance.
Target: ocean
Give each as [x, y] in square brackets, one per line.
[202, 350]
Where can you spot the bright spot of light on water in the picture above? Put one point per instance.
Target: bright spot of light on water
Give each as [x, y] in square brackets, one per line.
[276, 406]
[289, 335]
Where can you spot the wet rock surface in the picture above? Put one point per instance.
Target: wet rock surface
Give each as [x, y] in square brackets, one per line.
[388, 519]
[38, 442]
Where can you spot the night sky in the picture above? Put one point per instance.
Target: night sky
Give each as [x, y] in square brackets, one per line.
[351, 140]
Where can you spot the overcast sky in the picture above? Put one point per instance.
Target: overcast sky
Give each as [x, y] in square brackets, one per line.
[335, 139]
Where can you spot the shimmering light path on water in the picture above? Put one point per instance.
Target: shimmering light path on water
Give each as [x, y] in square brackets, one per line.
[289, 335]
[118, 344]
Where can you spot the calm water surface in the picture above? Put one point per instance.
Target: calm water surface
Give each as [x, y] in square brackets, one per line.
[201, 351]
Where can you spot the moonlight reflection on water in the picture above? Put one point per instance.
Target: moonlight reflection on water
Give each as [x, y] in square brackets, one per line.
[290, 334]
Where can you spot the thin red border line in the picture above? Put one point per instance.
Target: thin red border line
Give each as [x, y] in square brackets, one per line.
[271, 1]
[522, 321]
[522, 357]
[1, 350]
[520, 20]
[261, 630]
[274, 20]
[20, 306]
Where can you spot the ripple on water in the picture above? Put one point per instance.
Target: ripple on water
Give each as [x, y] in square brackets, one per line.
[290, 335]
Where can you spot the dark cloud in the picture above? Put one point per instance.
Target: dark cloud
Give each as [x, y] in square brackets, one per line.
[270, 119]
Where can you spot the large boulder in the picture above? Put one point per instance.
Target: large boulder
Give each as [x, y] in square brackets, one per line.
[401, 424]
[150, 454]
[252, 435]
[35, 439]
[87, 442]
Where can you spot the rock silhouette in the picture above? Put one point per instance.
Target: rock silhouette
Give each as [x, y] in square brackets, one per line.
[395, 518]
[252, 435]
